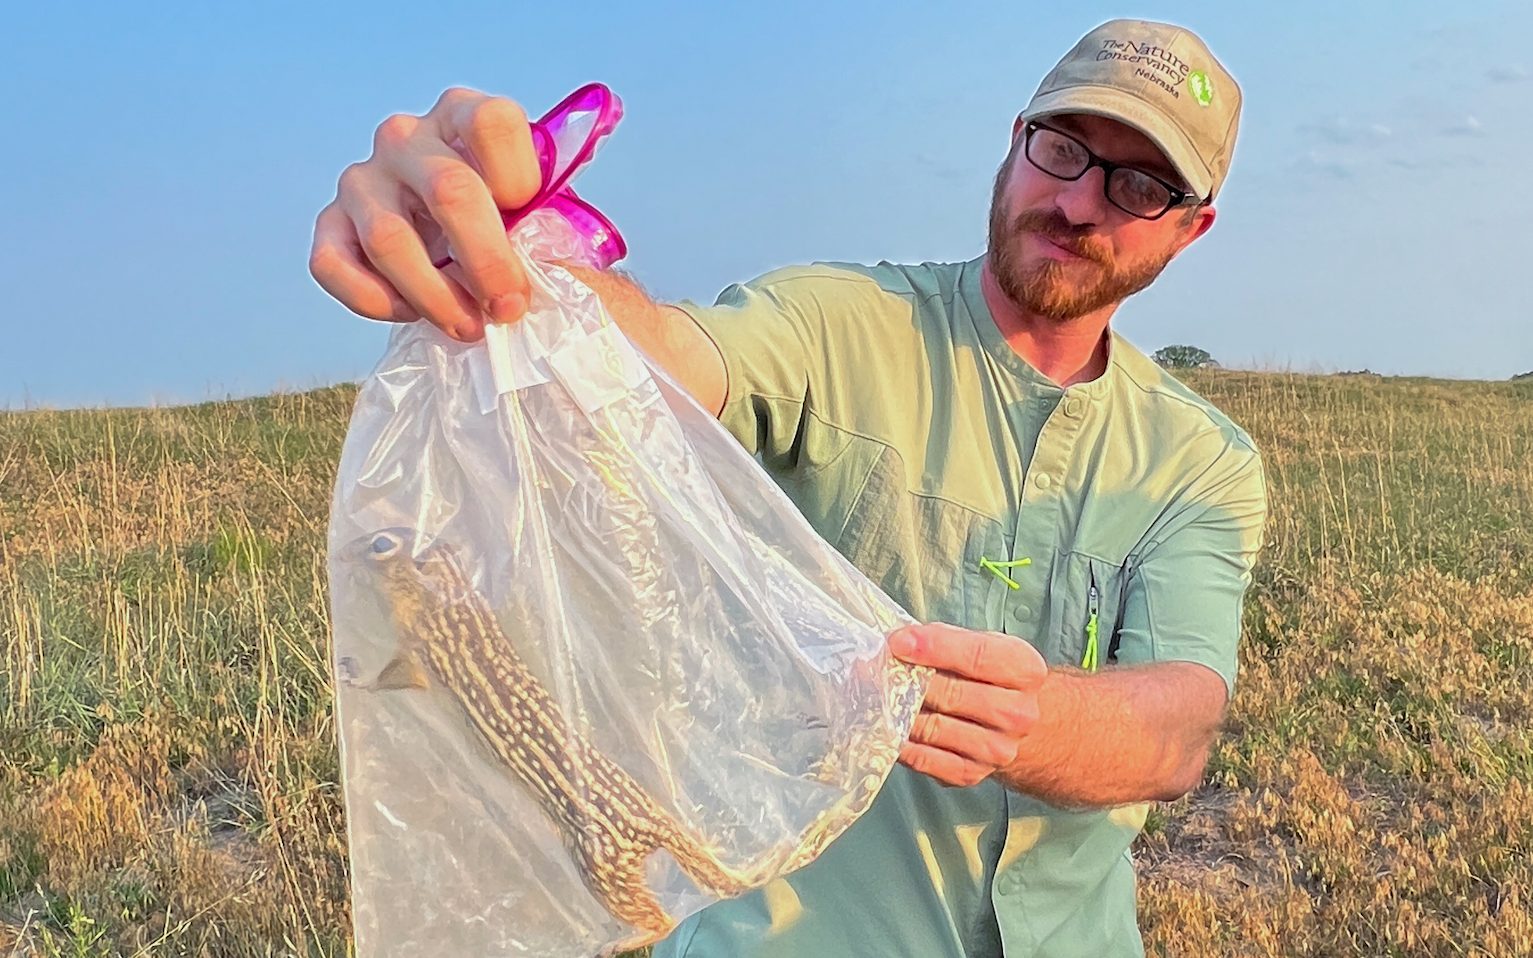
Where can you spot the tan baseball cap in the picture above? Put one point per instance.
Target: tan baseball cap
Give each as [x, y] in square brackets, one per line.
[1160, 79]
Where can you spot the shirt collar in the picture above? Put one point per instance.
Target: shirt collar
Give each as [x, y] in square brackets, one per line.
[1000, 351]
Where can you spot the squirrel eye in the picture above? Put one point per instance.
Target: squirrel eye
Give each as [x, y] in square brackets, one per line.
[384, 544]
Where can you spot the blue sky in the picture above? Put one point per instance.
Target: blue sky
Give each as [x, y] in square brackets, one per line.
[165, 163]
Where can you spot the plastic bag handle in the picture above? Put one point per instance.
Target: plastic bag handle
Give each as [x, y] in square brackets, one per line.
[595, 100]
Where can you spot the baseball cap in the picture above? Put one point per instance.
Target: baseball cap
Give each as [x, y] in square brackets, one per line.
[1159, 79]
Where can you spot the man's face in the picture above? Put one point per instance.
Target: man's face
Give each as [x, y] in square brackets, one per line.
[1059, 249]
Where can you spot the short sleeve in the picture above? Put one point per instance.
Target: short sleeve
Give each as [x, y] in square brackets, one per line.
[772, 333]
[1185, 594]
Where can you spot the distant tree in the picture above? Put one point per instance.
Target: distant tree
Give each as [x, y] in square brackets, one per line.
[1526, 375]
[1183, 357]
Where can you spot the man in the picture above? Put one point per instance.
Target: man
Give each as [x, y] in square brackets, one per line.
[977, 439]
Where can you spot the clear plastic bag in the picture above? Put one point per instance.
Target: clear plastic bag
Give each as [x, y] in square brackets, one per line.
[595, 671]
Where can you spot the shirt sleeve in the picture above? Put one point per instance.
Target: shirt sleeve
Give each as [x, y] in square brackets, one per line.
[772, 333]
[1184, 597]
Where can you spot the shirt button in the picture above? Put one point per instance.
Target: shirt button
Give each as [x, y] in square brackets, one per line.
[1043, 481]
[1074, 406]
[1020, 612]
[1008, 882]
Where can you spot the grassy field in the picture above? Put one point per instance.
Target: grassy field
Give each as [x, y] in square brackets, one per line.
[167, 758]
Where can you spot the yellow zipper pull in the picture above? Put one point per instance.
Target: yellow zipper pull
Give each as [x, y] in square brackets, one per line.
[1089, 660]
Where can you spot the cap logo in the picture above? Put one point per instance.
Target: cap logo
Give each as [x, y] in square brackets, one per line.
[1150, 62]
[1201, 86]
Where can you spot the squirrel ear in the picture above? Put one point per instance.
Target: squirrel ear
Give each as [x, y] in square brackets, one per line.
[402, 672]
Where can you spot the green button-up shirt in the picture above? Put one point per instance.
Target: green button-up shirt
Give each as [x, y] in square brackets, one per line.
[887, 404]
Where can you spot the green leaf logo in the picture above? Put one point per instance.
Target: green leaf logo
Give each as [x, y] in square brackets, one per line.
[1201, 86]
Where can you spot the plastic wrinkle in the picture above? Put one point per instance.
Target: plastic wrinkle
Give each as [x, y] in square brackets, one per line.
[594, 671]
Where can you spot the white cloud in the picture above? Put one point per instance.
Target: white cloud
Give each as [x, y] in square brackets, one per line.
[942, 170]
[1470, 125]
[1317, 162]
[1419, 163]
[1343, 131]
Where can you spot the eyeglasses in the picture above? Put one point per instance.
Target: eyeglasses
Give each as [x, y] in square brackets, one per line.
[1133, 191]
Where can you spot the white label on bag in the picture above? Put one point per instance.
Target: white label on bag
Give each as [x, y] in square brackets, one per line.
[515, 356]
[483, 378]
[598, 369]
[510, 360]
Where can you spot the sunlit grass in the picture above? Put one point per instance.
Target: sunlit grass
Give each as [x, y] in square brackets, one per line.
[168, 783]
[167, 754]
[1373, 794]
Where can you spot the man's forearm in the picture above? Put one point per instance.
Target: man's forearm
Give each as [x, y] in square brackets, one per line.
[664, 333]
[1121, 735]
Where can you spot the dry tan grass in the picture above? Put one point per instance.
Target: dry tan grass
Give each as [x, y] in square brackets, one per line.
[1373, 795]
[167, 758]
[168, 783]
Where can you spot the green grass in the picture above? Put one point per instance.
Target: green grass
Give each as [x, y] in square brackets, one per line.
[167, 753]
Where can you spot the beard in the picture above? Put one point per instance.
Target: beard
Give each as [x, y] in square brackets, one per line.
[1052, 289]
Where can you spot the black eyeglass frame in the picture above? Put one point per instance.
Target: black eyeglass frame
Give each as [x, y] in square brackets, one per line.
[1179, 197]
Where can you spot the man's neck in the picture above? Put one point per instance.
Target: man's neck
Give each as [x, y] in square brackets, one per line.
[1069, 352]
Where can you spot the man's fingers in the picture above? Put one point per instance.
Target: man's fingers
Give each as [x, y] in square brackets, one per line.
[1006, 710]
[433, 182]
[451, 194]
[992, 657]
[394, 249]
[338, 264]
[978, 744]
[944, 766]
[488, 165]
[498, 138]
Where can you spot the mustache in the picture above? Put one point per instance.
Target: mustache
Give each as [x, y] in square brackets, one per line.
[1077, 239]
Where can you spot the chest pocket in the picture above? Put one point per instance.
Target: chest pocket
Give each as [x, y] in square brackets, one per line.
[923, 551]
[1086, 609]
